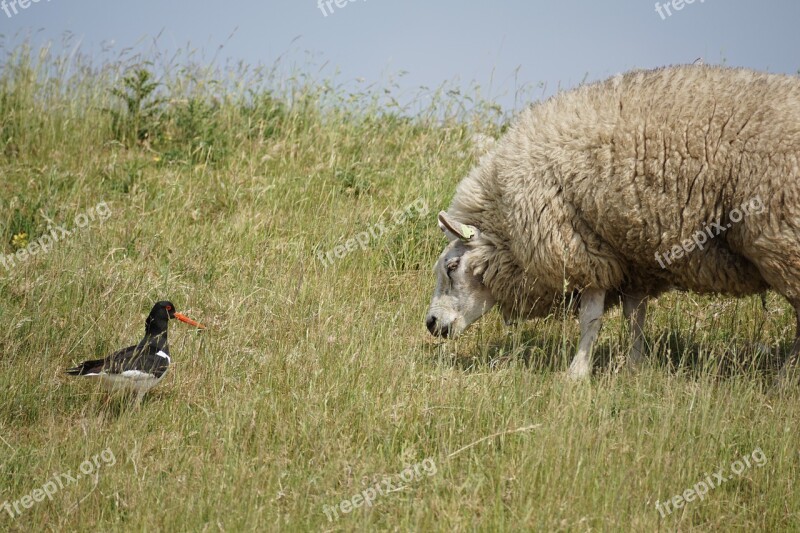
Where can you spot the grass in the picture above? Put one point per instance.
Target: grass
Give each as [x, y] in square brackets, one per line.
[313, 382]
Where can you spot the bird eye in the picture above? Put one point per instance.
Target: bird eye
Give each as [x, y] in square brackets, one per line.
[169, 308]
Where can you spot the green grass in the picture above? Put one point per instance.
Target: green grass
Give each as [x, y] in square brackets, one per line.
[313, 383]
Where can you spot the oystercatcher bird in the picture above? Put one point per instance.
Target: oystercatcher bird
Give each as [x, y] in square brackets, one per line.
[138, 368]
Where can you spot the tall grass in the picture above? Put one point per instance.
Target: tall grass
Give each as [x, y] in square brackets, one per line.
[313, 382]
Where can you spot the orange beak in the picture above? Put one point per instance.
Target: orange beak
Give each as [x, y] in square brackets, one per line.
[184, 318]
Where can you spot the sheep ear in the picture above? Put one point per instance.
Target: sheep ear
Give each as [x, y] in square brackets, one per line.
[456, 230]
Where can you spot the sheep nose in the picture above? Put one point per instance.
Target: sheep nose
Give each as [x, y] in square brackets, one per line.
[436, 329]
[431, 324]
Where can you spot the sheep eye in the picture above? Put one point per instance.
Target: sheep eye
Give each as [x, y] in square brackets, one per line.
[451, 266]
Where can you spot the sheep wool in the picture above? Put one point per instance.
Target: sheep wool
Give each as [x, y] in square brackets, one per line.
[682, 177]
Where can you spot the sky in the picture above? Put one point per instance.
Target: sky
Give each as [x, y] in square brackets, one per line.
[501, 45]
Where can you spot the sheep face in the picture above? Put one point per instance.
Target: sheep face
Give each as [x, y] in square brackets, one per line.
[460, 297]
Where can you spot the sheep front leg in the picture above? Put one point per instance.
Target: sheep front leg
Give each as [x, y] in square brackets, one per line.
[590, 317]
[634, 307]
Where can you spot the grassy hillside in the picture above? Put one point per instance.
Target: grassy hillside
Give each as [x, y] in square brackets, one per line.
[316, 380]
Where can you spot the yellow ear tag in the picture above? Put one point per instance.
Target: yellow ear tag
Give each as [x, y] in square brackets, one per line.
[467, 231]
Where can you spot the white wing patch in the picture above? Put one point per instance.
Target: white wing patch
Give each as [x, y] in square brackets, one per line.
[137, 375]
[162, 353]
[134, 380]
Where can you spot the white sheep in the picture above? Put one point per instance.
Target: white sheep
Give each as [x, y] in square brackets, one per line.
[682, 177]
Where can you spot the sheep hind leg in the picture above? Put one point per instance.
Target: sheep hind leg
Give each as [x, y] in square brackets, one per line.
[590, 318]
[634, 307]
[790, 364]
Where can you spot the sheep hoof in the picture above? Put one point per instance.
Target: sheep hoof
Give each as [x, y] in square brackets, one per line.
[579, 372]
[789, 375]
[633, 365]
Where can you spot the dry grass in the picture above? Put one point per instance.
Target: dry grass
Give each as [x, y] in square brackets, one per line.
[311, 382]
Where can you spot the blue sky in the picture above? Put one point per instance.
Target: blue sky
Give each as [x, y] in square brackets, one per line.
[499, 45]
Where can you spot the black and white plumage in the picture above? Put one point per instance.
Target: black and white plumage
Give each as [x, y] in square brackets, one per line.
[138, 368]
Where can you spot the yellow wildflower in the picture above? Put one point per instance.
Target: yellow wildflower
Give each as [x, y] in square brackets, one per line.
[20, 240]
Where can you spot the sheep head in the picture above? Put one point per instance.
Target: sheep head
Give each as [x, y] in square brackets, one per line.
[460, 297]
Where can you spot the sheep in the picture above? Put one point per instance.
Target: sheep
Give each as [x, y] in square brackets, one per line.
[683, 177]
